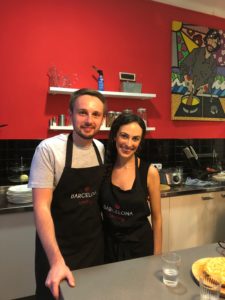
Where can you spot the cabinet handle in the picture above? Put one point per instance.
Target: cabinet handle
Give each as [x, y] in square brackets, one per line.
[207, 198]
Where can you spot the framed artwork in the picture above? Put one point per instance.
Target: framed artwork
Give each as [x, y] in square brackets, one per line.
[198, 73]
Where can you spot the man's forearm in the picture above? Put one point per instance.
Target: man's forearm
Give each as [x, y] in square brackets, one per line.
[44, 224]
[46, 233]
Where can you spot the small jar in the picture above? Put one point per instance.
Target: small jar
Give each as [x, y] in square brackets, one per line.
[127, 111]
[117, 114]
[52, 121]
[61, 120]
[110, 118]
[141, 112]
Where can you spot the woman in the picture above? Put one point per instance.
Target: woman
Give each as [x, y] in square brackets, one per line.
[130, 191]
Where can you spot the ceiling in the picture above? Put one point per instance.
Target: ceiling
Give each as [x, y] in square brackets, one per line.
[211, 7]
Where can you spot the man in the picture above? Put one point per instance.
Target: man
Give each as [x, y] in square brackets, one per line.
[65, 176]
[199, 67]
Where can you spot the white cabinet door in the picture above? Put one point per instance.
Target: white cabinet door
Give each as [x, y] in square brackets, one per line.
[165, 205]
[191, 220]
[220, 216]
[17, 244]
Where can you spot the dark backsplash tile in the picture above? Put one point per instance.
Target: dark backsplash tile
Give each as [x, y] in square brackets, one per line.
[169, 152]
[12, 153]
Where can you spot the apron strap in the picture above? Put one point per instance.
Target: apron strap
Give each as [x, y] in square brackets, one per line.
[136, 163]
[97, 154]
[69, 152]
[142, 173]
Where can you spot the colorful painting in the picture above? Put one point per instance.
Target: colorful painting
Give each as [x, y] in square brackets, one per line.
[198, 73]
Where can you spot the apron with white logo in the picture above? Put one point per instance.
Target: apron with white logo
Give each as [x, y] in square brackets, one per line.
[77, 220]
[128, 233]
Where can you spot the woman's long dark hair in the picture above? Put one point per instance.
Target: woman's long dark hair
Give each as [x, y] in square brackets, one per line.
[123, 119]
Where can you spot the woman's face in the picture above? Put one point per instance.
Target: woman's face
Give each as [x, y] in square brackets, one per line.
[128, 139]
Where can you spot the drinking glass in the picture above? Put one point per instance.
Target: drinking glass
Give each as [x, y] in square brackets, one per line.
[170, 266]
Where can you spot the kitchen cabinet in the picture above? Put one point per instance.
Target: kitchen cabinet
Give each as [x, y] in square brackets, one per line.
[107, 94]
[17, 244]
[219, 198]
[192, 220]
[165, 204]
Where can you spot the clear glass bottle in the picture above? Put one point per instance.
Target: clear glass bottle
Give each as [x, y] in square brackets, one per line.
[127, 111]
[61, 120]
[117, 114]
[142, 112]
[110, 118]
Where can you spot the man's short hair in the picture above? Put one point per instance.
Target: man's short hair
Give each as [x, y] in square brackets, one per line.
[86, 91]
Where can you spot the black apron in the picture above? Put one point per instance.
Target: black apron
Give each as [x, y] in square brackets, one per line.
[77, 220]
[128, 233]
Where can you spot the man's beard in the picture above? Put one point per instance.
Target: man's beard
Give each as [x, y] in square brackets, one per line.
[86, 137]
[210, 48]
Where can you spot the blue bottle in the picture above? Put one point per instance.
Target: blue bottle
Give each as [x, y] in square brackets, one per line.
[100, 80]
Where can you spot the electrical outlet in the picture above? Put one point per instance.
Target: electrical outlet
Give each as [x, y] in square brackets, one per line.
[157, 165]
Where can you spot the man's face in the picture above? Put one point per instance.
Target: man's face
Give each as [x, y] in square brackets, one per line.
[211, 44]
[87, 116]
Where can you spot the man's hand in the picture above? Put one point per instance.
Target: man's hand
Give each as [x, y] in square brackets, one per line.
[57, 273]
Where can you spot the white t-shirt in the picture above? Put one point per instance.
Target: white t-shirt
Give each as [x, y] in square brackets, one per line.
[49, 160]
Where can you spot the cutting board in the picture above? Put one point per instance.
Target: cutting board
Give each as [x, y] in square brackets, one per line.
[164, 187]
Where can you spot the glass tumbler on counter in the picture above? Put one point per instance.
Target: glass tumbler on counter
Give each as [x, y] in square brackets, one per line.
[170, 267]
[142, 112]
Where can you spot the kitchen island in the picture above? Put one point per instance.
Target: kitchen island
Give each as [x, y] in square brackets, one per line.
[196, 213]
[138, 279]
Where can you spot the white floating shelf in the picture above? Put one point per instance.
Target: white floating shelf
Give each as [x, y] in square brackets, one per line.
[110, 94]
[103, 128]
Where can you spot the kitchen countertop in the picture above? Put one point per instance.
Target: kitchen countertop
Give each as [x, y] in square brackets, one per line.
[187, 189]
[138, 279]
[6, 207]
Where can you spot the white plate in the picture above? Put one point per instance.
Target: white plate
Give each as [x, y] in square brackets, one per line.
[19, 188]
[19, 200]
[14, 201]
[24, 194]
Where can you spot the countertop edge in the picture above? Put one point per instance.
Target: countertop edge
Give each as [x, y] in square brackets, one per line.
[173, 192]
[187, 190]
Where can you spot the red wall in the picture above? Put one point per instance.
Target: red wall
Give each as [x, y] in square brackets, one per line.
[115, 35]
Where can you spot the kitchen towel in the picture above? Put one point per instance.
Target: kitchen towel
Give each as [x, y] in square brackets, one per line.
[198, 182]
